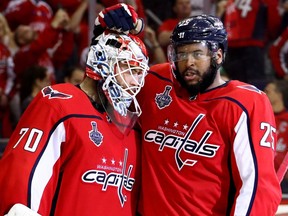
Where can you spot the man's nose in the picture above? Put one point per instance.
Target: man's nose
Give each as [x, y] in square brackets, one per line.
[190, 59]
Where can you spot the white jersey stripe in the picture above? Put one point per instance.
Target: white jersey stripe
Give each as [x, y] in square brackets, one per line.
[44, 169]
[245, 164]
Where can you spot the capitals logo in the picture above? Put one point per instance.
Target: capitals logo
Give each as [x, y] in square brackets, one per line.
[119, 178]
[164, 99]
[183, 142]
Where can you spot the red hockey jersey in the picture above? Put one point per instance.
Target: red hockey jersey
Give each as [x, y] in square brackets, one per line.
[250, 23]
[282, 137]
[278, 53]
[36, 13]
[36, 53]
[66, 158]
[211, 155]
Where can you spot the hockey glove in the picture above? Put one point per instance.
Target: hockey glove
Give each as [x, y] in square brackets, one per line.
[119, 18]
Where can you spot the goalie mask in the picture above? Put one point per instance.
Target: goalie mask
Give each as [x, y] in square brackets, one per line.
[121, 62]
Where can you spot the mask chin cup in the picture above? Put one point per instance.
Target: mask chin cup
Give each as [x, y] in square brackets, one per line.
[124, 123]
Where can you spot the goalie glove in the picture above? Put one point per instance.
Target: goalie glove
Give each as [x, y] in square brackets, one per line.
[120, 18]
[21, 210]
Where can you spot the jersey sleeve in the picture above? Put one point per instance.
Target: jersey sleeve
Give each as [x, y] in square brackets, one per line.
[29, 163]
[278, 54]
[252, 155]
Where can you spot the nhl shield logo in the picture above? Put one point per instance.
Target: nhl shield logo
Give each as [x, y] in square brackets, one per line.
[94, 135]
[164, 99]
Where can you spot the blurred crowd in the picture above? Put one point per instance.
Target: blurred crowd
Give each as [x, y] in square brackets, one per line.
[43, 42]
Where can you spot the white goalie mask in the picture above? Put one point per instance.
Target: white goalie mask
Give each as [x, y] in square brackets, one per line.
[121, 62]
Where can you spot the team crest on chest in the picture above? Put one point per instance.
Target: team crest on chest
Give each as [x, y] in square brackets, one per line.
[95, 136]
[164, 99]
[113, 173]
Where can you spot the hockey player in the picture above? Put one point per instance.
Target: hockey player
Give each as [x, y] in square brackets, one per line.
[75, 150]
[208, 145]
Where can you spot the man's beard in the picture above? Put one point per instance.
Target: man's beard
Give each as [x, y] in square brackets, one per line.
[206, 80]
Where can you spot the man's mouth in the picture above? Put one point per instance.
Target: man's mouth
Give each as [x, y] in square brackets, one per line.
[191, 76]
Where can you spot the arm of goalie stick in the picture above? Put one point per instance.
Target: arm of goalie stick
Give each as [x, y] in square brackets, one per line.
[283, 168]
[21, 210]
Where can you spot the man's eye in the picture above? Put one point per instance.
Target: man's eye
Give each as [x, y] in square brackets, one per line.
[182, 55]
[196, 54]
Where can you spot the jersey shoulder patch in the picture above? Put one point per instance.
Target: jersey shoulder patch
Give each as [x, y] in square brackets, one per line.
[51, 93]
[250, 88]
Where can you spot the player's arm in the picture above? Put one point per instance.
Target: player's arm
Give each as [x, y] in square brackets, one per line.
[29, 169]
[252, 159]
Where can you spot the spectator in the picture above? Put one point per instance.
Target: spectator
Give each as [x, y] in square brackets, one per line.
[7, 35]
[16, 10]
[197, 7]
[3, 5]
[34, 45]
[6, 84]
[278, 52]
[247, 46]
[74, 75]
[39, 20]
[284, 13]
[33, 80]
[220, 8]
[182, 10]
[74, 40]
[7, 118]
[156, 53]
[277, 92]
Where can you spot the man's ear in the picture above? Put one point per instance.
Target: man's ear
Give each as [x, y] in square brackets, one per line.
[219, 58]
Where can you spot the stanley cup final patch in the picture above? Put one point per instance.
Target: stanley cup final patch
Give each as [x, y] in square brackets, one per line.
[164, 99]
[95, 136]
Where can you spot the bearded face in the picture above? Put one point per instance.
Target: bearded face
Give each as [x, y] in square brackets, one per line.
[195, 67]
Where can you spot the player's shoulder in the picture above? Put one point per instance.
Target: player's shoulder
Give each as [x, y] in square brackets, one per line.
[160, 71]
[236, 91]
[59, 91]
[64, 93]
[239, 87]
[245, 93]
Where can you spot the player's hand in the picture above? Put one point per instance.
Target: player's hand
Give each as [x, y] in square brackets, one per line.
[60, 19]
[121, 18]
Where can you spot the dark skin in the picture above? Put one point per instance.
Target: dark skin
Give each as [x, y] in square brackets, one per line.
[194, 68]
